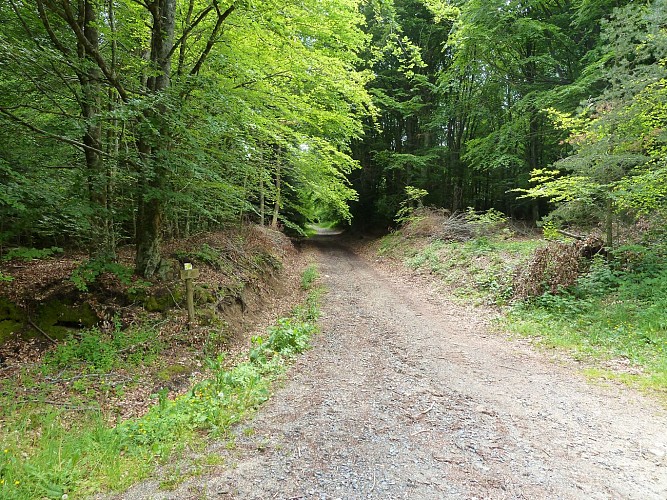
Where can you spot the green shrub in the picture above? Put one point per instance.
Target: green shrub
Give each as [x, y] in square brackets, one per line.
[88, 272]
[103, 351]
[637, 259]
[208, 255]
[561, 303]
[288, 338]
[414, 198]
[598, 281]
[428, 257]
[550, 231]
[486, 223]
[614, 310]
[22, 253]
[308, 277]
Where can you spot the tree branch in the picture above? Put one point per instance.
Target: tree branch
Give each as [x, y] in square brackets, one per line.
[143, 4]
[42, 332]
[202, 15]
[65, 405]
[57, 137]
[247, 84]
[183, 39]
[62, 112]
[47, 25]
[571, 235]
[101, 63]
[23, 23]
[66, 82]
[214, 35]
[39, 85]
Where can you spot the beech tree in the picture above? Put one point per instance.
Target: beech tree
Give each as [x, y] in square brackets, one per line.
[166, 111]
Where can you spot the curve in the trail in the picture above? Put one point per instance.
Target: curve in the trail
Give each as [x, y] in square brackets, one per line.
[406, 395]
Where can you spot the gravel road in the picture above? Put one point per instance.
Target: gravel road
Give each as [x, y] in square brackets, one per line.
[406, 395]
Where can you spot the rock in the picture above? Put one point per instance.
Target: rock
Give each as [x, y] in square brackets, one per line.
[656, 452]
[162, 299]
[168, 269]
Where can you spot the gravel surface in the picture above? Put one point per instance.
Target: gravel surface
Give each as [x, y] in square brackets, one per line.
[406, 395]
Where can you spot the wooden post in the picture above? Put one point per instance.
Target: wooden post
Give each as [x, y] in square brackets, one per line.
[188, 274]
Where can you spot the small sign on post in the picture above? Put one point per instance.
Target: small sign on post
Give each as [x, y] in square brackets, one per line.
[188, 274]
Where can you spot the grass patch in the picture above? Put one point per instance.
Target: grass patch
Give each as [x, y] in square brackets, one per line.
[480, 269]
[614, 314]
[391, 245]
[602, 329]
[102, 351]
[649, 382]
[47, 452]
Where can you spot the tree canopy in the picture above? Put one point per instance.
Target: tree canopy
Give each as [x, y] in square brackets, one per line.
[496, 95]
[130, 121]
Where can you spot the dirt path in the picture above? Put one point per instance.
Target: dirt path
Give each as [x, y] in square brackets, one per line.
[405, 396]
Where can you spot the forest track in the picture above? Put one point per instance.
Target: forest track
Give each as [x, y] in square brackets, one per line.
[407, 395]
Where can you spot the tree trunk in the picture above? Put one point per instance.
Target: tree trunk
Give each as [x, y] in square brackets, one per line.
[152, 149]
[276, 205]
[534, 153]
[609, 223]
[534, 142]
[184, 41]
[262, 207]
[91, 102]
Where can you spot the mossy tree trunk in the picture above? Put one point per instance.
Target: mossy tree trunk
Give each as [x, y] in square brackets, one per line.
[153, 147]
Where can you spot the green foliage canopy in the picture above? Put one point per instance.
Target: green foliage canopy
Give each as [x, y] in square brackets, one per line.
[162, 118]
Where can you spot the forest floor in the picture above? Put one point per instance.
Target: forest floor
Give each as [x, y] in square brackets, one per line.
[408, 395]
[125, 390]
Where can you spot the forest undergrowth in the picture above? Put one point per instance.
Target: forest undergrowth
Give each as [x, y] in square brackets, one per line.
[105, 406]
[605, 310]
